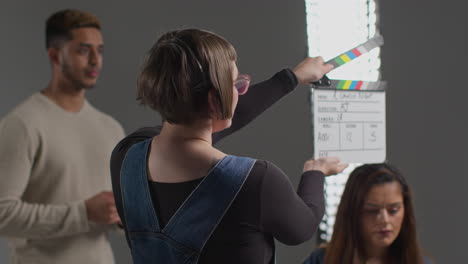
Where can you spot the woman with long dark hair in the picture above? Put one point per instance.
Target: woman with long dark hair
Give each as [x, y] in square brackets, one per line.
[375, 221]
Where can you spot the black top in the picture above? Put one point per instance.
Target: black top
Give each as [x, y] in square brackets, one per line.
[318, 256]
[267, 205]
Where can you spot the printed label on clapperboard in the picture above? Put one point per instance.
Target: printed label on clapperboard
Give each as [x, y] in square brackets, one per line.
[349, 125]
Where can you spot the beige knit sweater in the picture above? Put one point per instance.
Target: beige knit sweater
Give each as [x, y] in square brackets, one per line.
[50, 162]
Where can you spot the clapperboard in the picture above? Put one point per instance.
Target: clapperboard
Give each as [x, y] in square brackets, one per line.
[348, 116]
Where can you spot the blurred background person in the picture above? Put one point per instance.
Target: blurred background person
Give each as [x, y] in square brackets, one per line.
[56, 202]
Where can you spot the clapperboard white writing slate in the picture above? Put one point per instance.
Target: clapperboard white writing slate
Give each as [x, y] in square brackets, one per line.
[349, 116]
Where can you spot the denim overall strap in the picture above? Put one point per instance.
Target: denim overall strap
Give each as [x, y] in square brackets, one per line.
[139, 212]
[199, 215]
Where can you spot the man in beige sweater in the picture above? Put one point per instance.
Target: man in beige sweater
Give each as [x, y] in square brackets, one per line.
[56, 203]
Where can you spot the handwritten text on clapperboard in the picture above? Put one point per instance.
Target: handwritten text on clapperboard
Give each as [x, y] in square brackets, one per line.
[349, 125]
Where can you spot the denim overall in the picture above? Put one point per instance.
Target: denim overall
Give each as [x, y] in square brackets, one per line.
[185, 235]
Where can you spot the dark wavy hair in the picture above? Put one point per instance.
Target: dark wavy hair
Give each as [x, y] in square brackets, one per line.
[347, 239]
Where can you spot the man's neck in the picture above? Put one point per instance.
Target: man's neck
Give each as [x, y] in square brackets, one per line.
[68, 99]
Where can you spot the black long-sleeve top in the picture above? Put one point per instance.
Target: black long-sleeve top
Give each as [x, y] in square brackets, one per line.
[267, 206]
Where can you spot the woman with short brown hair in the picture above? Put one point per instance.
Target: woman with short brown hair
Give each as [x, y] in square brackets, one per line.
[183, 201]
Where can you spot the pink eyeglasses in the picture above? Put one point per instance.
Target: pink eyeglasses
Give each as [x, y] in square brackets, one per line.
[242, 83]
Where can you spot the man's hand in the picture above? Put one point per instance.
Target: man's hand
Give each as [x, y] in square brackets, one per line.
[329, 165]
[101, 208]
[311, 70]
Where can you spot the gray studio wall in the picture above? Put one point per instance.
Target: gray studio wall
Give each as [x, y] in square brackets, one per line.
[425, 60]
[425, 131]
